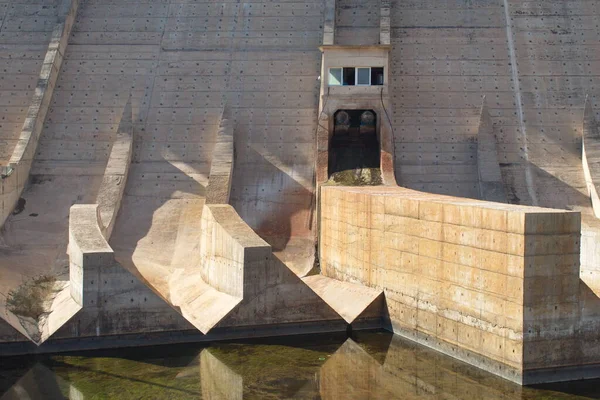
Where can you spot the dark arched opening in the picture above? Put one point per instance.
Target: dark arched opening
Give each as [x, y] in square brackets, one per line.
[354, 156]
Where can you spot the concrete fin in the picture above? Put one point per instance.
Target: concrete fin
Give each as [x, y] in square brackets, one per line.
[491, 185]
[590, 125]
[329, 25]
[221, 169]
[385, 22]
[590, 155]
[110, 194]
[126, 123]
[347, 299]
[235, 279]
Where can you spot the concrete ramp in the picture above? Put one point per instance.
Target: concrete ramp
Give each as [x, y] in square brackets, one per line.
[349, 300]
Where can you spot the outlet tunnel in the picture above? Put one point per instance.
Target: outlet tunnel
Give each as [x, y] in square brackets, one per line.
[354, 153]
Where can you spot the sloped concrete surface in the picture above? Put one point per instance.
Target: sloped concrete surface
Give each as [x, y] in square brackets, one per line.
[347, 299]
[25, 32]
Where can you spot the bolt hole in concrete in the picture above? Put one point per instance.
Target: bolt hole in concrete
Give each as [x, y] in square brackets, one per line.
[328, 366]
[354, 149]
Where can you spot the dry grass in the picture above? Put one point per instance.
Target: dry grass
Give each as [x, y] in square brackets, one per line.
[28, 299]
[357, 177]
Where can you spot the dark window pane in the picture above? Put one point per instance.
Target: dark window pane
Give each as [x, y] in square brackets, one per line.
[349, 77]
[377, 76]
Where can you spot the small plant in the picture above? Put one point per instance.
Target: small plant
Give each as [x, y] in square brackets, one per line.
[357, 177]
[28, 299]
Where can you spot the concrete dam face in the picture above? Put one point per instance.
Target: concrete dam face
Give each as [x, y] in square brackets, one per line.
[167, 175]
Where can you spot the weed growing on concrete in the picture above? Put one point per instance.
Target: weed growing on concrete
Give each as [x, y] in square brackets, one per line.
[358, 177]
[28, 299]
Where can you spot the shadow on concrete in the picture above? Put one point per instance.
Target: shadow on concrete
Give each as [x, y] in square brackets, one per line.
[277, 206]
[152, 221]
[558, 191]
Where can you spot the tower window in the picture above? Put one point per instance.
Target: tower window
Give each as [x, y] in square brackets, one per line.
[363, 76]
[377, 76]
[356, 76]
[349, 77]
[335, 76]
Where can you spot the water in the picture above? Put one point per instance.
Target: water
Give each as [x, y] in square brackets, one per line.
[371, 365]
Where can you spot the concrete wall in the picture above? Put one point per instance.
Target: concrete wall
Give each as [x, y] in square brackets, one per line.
[554, 50]
[275, 71]
[491, 185]
[445, 57]
[534, 63]
[357, 22]
[15, 172]
[25, 32]
[260, 58]
[488, 283]
[113, 300]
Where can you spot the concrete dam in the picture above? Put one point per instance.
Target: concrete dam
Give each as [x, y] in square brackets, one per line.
[180, 171]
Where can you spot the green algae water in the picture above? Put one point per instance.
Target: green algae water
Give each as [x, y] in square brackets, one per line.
[370, 365]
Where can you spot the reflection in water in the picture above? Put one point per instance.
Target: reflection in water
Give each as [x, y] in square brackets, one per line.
[371, 365]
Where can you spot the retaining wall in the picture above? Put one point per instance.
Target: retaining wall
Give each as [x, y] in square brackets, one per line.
[492, 284]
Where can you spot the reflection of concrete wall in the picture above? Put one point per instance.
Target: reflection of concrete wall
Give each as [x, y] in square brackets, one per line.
[351, 373]
[408, 369]
[411, 369]
[39, 383]
[219, 382]
[479, 281]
